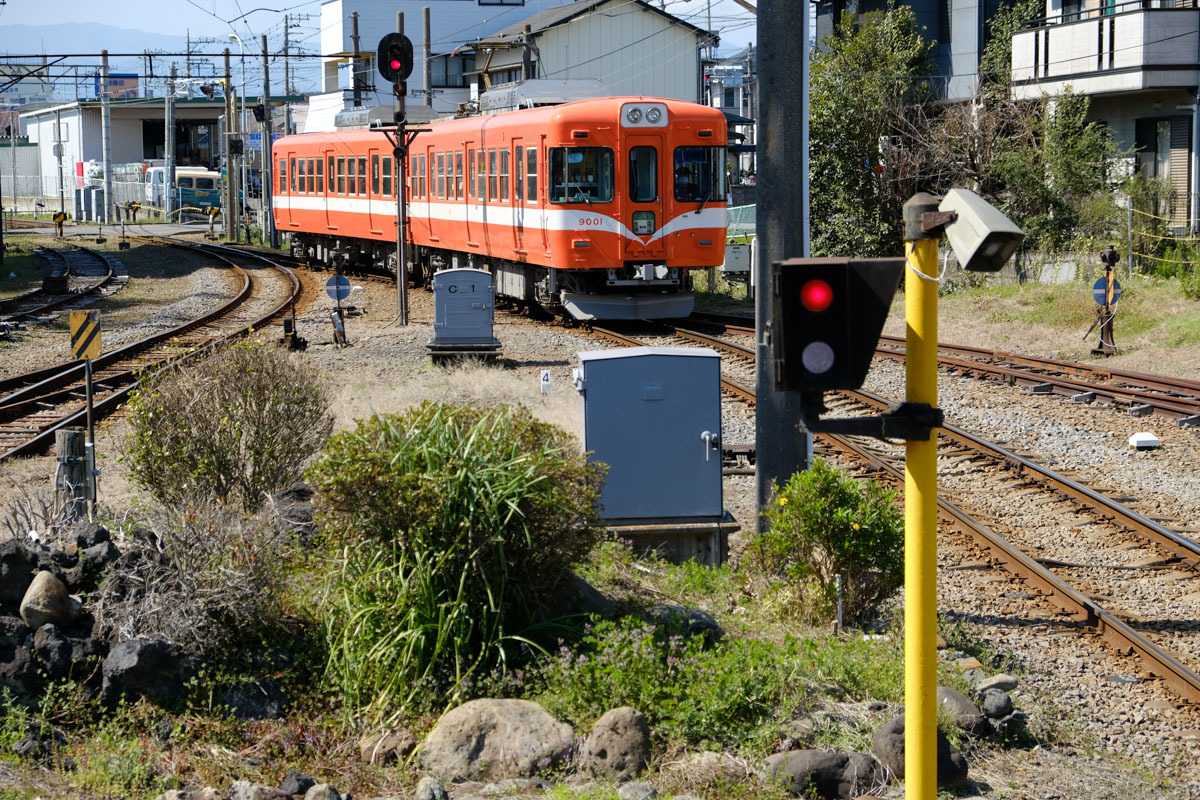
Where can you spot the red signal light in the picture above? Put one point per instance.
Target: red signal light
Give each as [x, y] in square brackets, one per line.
[816, 295]
[395, 64]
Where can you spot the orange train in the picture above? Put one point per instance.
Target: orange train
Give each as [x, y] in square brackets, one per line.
[596, 208]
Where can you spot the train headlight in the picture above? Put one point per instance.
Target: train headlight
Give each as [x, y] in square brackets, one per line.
[634, 115]
[643, 223]
[653, 115]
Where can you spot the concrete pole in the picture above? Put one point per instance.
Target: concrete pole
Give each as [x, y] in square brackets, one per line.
[427, 70]
[783, 447]
[230, 210]
[12, 152]
[268, 158]
[355, 55]
[287, 82]
[169, 149]
[58, 155]
[106, 136]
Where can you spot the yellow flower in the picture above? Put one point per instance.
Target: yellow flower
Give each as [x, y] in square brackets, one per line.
[783, 501]
[854, 525]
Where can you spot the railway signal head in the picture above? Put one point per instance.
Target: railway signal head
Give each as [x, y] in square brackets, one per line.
[982, 237]
[395, 57]
[827, 314]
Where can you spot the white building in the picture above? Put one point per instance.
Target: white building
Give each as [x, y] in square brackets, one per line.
[630, 45]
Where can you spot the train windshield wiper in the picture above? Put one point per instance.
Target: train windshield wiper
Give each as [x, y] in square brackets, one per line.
[705, 200]
[579, 192]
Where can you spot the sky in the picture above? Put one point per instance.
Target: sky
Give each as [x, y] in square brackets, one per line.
[250, 19]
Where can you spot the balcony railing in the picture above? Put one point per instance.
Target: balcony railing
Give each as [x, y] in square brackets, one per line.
[1146, 44]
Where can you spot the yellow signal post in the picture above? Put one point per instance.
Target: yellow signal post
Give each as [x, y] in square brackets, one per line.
[920, 507]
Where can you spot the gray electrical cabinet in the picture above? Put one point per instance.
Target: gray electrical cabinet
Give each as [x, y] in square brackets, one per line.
[463, 311]
[653, 415]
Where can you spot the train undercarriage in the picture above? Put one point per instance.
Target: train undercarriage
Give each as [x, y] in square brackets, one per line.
[633, 291]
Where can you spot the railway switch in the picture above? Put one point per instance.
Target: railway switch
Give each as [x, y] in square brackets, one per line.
[827, 317]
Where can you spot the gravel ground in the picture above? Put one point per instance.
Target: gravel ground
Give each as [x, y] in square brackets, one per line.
[1113, 737]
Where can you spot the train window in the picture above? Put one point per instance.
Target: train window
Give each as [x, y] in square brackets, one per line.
[700, 174]
[493, 173]
[332, 169]
[362, 175]
[421, 172]
[300, 177]
[441, 176]
[351, 175]
[312, 177]
[643, 174]
[531, 170]
[412, 177]
[471, 174]
[341, 172]
[504, 196]
[518, 182]
[320, 176]
[387, 176]
[292, 172]
[283, 173]
[481, 175]
[458, 175]
[581, 175]
[374, 174]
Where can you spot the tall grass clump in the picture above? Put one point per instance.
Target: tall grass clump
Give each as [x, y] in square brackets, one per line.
[823, 523]
[454, 526]
[236, 425]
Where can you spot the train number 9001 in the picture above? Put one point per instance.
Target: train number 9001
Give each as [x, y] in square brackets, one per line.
[590, 222]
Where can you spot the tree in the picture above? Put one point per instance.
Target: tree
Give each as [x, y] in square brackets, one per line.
[869, 80]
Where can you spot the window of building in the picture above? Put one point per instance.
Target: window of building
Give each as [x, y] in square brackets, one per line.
[450, 72]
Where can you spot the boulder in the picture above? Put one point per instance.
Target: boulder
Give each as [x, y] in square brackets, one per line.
[387, 747]
[687, 622]
[828, 775]
[494, 739]
[430, 789]
[46, 601]
[84, 534]
[638, 790]
[296, 782]
[618, 747]
[707, 767]
[17, 565]
[53, 651]
[888, 745]
[245, 790]
[19, 672]
[962, 712]
[150, 668]
[1013, 725]
[13, 631]
[996, 704]
[1003, 682]
[322, 791]
[92, 563]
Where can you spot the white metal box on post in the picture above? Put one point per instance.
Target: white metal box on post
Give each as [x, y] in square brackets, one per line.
[653, 415]
[463, 313]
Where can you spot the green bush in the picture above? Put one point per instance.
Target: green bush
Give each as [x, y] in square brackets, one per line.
[457, 524]
[824, 523]
[238, 424]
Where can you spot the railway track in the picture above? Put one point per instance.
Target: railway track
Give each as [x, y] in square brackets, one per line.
[35, 405]
[1092, 584]
[77, 277]
[1136, 392]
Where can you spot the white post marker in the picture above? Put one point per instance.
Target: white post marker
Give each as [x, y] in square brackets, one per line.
[545, 381]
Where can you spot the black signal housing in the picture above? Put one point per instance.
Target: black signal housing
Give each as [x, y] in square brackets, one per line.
[394, 57]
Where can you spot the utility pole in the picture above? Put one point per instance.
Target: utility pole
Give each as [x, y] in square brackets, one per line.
[782, 446]
[267, 157]
[230, 211]
[106, 135]
[526, 56]
[355, 82]
[427, 67]
[169, 148]
[287, 81]
[58, 155]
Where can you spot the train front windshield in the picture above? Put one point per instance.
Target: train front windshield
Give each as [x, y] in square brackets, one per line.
[581, 175]
[700, 174]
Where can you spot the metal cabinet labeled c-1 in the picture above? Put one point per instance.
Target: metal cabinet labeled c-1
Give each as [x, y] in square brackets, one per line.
[653, 415]
[463, 312]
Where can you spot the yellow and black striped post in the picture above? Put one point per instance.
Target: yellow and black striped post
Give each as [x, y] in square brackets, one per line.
[85, 334]
[59, 218]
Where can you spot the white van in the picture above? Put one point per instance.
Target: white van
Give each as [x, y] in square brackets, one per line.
[196, 186]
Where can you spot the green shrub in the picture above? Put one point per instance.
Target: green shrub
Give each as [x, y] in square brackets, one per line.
[457, 524]
[824, 523]
[236, 425]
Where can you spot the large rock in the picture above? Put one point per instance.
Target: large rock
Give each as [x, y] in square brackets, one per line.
[618, 747]
[245, 790]
[46, 602]
[962, 712]
[17, 565]
[322, 791]
[53, 650]
[827, 775]
[996, 704]
[429, 789]
[150, 668]
[889, 748]
[495, 739]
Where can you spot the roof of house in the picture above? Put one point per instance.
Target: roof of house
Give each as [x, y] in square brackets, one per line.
[560, 15]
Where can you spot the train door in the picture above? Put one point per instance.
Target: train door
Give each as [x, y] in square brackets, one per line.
[326, 160]
[535, 179]
[643, 214]
[518, 198]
